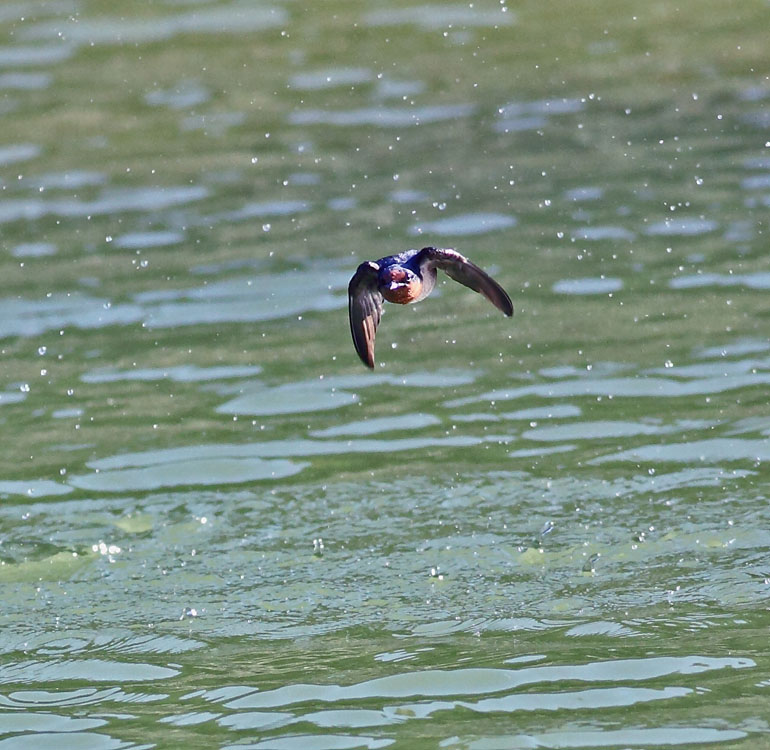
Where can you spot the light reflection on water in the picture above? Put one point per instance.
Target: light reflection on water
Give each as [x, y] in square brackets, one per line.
[263, 297]
[759, 280]
[604, 233]
[602, 285]
[548, 531]
[323, 79]
[440, 16]
[481, 681]
[384, 117]
[18, 152]
[464, 225]
[234, 17]
[37, 54]
[111, 201]
[182, 373]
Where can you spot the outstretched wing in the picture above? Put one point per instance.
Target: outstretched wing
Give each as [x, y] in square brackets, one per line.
[459, 268]
[365, 310]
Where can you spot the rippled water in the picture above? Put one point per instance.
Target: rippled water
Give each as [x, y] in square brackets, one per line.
[218, 529]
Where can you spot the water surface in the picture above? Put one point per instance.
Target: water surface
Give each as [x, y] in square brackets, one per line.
[218, 529]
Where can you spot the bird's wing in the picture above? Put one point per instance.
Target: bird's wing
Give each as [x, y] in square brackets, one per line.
[459, 268]
[365, 310]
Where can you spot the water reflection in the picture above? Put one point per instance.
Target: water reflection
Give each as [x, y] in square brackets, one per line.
[244, 299]
[34, 250]
[264, 297]
[45, 722]
[233, 18]
[601, 285]
[112, 200]
[325, 742]
[260, 209]
[216, 124]
[638, 387]
[384, 117]
[70, 180]
[521, 116]
[12, 397]
[683, 227]
[37, 54]
[466, 685]
[464, 225]
[480, 681]
[759, 280]
[328, 392]
[584, 194]
[242, 462]
[713, 451]
[594, 430]
[141, 240]
[18, 152]
[388, 88]
[734, 348]
[89, 670]
[182, 96]
[440, 16]
[114, 640]
[577, 738]
[600, 233]
[181, 373]
[33, 488]
[324, 79]
[79, 739]
[205, 472]
[376, 426]
[24, 317]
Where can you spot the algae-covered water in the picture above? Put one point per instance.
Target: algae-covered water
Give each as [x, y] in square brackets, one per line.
[218, 529]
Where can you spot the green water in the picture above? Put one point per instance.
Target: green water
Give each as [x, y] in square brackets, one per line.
[218, 529]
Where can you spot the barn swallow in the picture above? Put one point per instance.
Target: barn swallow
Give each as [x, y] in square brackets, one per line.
[409, 277]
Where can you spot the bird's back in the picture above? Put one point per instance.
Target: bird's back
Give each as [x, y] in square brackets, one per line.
[400, 259]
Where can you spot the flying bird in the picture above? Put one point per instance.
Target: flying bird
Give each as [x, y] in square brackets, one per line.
[409, 277]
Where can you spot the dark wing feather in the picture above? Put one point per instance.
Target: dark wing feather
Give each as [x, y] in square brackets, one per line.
[365, 310]
[459, 268]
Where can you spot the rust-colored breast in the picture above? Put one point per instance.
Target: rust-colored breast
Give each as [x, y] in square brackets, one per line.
[404, 294]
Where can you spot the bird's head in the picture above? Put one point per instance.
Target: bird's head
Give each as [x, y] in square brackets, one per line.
[399, 285]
